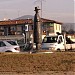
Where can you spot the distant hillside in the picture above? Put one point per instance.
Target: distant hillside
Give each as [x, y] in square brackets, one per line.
[65, 26]
[68, 26]
[25, 17]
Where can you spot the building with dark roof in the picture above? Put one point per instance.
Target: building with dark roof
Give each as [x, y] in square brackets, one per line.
[18, 27]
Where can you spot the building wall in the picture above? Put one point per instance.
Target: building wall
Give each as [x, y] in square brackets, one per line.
[17, 28]
[57, 28]
[1, 30]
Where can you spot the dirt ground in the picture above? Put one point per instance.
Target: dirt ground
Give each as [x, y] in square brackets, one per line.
[41, 73]
[57, 63]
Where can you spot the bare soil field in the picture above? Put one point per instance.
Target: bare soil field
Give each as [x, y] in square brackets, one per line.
[57, 63]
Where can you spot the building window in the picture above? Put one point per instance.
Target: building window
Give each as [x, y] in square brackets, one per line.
[51, 29]
[26, 27]
[56, 27]
[30, 27]
[13, 28]
[51, 26]
[1, 30]
[59, 27]
[19, 28]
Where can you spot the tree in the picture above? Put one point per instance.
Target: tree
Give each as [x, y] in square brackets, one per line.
[71, 31]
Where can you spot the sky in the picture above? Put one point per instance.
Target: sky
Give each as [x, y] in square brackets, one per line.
[58, 10]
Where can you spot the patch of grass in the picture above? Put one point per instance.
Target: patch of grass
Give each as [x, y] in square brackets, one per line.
[58, 61]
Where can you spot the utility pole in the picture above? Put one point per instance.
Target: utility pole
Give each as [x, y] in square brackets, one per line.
[65, 41]
[37, 29]
[41, 8]
[41, 1]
